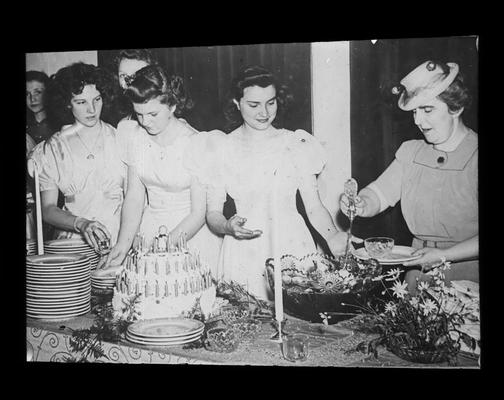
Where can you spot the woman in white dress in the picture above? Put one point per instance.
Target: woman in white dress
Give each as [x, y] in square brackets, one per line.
[81, 160]
[161, 152]
[261, 168]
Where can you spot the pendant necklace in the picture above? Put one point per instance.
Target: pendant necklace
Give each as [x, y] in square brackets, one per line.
[90, 156]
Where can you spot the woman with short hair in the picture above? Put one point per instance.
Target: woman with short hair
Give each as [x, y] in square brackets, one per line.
[436, 177]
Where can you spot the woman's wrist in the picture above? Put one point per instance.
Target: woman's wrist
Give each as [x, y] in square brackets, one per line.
[77, 224]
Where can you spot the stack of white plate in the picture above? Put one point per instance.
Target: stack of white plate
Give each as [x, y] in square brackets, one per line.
[58, 286]
[103, 283]
[31, 247]
[165, 331]
[72, 246]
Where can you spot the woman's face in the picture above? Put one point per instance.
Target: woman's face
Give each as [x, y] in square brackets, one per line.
[435, 121]
[154, 116]
[258, 106]
[127, 68]
[35, 96]
[87, 106]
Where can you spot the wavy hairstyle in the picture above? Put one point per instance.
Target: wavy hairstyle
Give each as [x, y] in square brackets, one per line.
[70, 81]
[135, 54]
[457, 95]
[41, 77]
[255, 75]
[153, 82]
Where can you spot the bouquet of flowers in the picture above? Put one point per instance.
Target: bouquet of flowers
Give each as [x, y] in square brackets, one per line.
[428, 327]
[316, 284]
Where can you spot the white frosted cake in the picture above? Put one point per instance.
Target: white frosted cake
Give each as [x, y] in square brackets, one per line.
[168, 278]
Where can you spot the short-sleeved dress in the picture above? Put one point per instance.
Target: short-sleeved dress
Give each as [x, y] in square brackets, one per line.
[93, 188]
[438, 193]
[247, 173]
[166, 173]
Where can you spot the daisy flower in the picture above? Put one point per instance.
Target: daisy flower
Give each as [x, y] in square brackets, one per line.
[400, 289]
[428, 306]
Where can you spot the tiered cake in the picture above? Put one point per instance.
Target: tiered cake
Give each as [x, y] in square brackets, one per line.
[167, 278]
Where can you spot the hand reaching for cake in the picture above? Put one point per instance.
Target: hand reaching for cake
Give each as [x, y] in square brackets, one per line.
[115, 258]
[234, 227]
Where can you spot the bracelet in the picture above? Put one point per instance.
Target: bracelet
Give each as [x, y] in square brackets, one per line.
[76, 229]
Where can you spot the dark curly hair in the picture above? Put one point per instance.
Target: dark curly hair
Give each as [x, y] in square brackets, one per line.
[70, 81]
[255, 75]
[153, 82]
[134, 54]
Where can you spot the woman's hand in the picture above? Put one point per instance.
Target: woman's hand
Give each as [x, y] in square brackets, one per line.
[234, 227]
[430, 258]
[94, 232]
[345, 206]
[114, 258]
[337, 243]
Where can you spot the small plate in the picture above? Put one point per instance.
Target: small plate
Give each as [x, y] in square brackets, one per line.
[165, 327]
[398, 255]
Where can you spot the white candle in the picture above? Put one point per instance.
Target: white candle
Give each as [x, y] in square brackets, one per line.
[276, 254]
[32, 170]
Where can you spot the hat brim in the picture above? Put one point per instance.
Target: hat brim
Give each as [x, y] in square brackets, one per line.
[410, 100]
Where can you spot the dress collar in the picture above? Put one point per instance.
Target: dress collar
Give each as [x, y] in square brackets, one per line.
[455, 160]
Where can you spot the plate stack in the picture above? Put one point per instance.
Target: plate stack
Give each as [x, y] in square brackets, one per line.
[31, 247]
[103, 283]
[72, 246]
[165, 331]
[57, 286]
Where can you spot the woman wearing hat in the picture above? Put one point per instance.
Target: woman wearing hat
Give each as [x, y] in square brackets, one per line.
[435, 178]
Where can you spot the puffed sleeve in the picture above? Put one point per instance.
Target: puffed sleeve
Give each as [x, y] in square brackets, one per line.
[50, 162]
[203, 155]
[388, 185]
[307, 152]
[203, 160]
[126, 138]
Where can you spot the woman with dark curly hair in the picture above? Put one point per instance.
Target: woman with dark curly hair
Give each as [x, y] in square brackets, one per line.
[81, 160]
[162, 154]
[262, 167]
[37, 123]
[435, 178]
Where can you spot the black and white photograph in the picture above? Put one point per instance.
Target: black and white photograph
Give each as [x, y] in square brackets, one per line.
[298, 204]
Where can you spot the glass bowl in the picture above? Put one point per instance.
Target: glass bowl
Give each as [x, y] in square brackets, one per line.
[379, 247]
[246, 328]
[221, 339]
[231, 314]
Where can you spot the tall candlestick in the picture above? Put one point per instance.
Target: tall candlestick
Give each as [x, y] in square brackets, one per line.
[276, 254]
[33, 171]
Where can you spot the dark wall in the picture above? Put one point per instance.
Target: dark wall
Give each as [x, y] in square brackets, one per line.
[378, 126]
[208, 72]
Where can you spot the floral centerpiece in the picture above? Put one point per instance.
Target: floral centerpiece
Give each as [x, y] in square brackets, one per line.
[428, 327]
[317, 284]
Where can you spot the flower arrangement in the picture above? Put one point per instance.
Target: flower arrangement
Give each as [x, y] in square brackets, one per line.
[317, 283]
[427, 327]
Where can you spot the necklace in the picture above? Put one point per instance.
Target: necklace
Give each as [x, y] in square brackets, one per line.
[90, 156]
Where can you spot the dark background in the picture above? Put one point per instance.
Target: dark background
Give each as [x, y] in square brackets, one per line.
[378, 126]
[208, 71]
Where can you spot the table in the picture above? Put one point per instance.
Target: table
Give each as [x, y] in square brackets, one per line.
[49, 342]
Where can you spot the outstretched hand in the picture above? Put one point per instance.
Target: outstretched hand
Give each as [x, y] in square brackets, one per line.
[234, 226]
[346, 206]
[430, 258]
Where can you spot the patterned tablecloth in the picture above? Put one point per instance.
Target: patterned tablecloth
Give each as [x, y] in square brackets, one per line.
[49, 342]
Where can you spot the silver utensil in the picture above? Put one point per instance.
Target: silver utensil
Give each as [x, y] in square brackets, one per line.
[350, 190]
